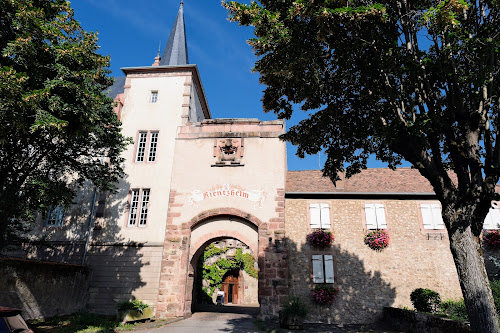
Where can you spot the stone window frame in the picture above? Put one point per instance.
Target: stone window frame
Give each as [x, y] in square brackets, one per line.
[139, 207]
[308, 208]
[421, 219]
[311, 268]
[147, 148]
[363, 214]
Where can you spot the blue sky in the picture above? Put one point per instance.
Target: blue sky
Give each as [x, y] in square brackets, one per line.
[130, 31]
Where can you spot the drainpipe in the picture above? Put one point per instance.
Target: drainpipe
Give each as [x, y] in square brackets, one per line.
[91, 224]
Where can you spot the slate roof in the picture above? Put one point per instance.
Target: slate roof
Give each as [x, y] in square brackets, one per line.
[117, 87]
[175, 52]
[402, 180]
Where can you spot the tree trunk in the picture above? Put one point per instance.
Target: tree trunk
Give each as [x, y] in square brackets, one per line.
[468, 256]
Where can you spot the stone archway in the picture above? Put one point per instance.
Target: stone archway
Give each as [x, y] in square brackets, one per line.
[181, 244]
[209, 230]
[240, 279]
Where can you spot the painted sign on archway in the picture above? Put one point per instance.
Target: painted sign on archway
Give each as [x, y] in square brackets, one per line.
[227, 190]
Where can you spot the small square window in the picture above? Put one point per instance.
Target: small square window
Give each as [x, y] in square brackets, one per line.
[154, 96]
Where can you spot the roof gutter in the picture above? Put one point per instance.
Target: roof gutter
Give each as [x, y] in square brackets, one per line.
[361, 193]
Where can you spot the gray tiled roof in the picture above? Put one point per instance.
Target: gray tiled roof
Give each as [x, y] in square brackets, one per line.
[175, 52]
[117, 87]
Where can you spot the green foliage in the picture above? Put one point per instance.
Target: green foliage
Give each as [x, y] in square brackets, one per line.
[247, 262]
[425, 300]
[213, 250]
[413, 81]
[293, 306]
[207, 295]
[81, 322]
[455, 310]
[495, 289]
[55, 120]
[215, 273]
[136, 304]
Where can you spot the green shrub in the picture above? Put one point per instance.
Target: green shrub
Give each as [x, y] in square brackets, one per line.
[136, 304]
[425, 300]
[495, 289]
[455, 310]
[294, 307]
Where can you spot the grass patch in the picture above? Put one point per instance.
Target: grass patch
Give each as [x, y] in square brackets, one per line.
[81, 322]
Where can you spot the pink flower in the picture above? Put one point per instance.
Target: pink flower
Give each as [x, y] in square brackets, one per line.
[320, 238]
[377, 239]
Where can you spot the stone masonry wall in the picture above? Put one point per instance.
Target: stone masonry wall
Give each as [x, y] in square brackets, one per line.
[177, 273]
[369, 280]
[43, 289]
[121, 273]
[118, 271]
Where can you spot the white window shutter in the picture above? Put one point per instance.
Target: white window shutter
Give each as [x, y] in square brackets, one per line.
[317, 261]
[380, 212]
[329, 273]
[495, 216]
[325, 216]
[492, 220]
[315, 216]
[437, 217]
[371, 217]
[427, 216]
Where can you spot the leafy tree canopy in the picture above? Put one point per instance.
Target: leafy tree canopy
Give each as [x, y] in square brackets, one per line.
[407, 79]
[56, 123]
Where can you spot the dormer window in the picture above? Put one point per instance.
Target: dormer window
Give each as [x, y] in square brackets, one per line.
[154, 96]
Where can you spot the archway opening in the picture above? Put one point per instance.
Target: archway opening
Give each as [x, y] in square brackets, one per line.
[225, 267]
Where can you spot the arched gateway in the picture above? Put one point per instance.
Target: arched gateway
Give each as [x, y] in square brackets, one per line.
[227, 183]
[229, 233]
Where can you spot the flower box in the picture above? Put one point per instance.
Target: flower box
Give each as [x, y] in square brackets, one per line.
[377, 239]
[491, 239]
[320, 238]
[324, 295]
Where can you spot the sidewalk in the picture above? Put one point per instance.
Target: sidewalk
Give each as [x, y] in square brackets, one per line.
[217, 322]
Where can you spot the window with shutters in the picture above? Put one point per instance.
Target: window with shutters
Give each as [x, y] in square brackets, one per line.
[431, 216]
[320, 216]
[492, 220]
[55, 217]
[138, 208]
[322, 268]
[147, 143]
[375, 216]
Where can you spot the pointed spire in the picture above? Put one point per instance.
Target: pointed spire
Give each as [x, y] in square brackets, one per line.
[175, 53]
[157, 58]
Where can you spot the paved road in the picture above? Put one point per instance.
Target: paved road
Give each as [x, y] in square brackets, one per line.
[210, 322]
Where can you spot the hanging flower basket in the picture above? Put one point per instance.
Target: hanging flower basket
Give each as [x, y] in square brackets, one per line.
[320, 238]
[377, 239]
[324, 295]
[491, 239]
